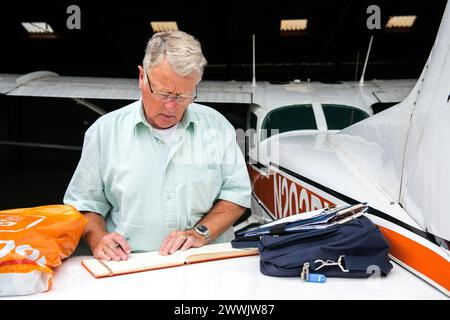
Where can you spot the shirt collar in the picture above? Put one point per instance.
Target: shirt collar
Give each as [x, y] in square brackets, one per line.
[139, 118]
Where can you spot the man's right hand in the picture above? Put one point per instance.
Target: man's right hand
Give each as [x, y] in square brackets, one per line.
[104, 245]
[111, 246]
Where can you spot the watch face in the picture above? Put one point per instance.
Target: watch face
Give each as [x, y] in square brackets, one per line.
[202, 228]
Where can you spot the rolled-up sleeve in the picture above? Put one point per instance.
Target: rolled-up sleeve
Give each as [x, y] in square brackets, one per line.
[86, 188]
[236, 186]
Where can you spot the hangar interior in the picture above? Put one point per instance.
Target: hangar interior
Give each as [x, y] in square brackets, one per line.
[111, 43]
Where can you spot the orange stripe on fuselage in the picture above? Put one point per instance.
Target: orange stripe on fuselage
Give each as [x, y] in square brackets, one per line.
[418, 257]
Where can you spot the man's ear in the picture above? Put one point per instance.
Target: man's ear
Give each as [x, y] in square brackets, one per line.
[141, 77]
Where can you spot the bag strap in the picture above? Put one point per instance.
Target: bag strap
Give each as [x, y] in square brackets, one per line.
[359, 263]
[354, 263]
[245, 242]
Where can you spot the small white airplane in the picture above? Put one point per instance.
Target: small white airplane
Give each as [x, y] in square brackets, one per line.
[396, 160]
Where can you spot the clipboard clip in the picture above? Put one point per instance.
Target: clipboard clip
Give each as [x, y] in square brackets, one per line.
[349, 213]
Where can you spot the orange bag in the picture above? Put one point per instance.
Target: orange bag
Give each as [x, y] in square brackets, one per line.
[32, 242]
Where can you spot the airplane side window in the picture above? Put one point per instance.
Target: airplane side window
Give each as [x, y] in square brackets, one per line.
[252, 134]
[341, 116]
[289, 118]
[253, 121]
[381, 106]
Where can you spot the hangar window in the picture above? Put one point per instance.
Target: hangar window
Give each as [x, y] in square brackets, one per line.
[289, 118]
[341, 116]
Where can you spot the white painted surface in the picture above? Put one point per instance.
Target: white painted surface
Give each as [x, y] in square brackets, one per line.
[426, 176]
[236, 279]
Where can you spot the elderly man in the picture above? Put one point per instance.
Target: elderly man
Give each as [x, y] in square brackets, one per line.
[163, 172]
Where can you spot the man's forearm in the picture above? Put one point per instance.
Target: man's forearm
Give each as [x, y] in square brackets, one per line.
[95, 228]
[221, 216]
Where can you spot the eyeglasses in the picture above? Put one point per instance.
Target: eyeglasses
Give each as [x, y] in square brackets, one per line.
[166, 97]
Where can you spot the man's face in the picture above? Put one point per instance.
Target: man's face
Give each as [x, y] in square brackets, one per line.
[163, 112]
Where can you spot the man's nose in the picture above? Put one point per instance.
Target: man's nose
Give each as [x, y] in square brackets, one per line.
[171, 105]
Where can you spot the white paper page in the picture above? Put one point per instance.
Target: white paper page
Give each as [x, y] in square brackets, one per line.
[142, 260]
[148, 259]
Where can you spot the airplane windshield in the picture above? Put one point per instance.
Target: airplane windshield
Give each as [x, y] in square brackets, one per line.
[289, 118]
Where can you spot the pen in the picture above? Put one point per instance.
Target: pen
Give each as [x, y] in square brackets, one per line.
[118, 245]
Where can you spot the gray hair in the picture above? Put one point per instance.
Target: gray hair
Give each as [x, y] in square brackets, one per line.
[183, 52]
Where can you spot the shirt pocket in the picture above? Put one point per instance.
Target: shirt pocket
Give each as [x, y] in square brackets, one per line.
[204, 183]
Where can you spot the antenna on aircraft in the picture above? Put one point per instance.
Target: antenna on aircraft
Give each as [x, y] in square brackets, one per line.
[254, 64]
[357, 66]
[361, 82]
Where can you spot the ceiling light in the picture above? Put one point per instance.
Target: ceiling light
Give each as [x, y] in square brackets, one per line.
[37, 27]
[160, 26]
[400, 22]
[293, 24]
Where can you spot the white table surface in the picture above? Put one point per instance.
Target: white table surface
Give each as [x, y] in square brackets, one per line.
[232, 279]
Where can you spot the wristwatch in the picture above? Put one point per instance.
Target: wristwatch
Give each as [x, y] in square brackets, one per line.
[202, 230]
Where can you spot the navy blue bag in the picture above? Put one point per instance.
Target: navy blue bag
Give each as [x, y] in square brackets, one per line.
[354, 249]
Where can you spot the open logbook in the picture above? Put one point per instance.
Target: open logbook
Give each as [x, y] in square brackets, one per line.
[138, 262]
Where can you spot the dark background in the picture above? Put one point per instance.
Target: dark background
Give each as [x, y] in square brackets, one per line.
[113, 35]
[112, 40]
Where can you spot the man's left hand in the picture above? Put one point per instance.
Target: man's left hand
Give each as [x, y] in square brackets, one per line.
[181, 240]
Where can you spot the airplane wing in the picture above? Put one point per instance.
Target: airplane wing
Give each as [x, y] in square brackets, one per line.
[50, 84]
[392, 90]
[7, 82]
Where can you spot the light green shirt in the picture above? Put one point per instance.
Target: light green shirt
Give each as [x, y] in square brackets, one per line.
[144, 188]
